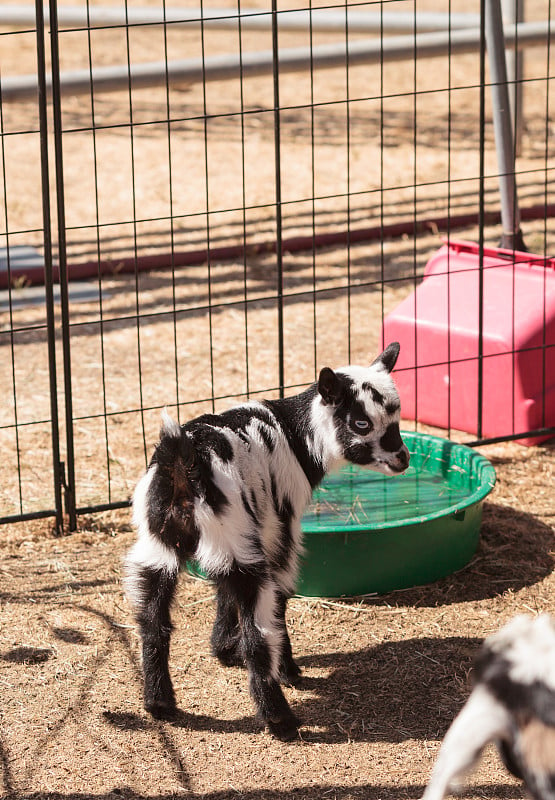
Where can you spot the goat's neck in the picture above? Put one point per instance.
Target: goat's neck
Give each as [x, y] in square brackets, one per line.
[310, 431]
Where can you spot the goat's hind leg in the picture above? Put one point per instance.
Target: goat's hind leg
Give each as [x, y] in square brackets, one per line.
[152, 590]
[226, 633]
[262, 640]
[289, 671]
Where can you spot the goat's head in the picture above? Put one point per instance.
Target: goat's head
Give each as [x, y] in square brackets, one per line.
[363, 406]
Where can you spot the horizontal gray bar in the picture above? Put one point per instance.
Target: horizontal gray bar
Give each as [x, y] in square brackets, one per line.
[227, 67]
[322, 19]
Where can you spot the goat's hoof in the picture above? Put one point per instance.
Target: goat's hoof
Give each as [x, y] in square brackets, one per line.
[230, 658]
[285, 729]
[161, 709]
[291, 676]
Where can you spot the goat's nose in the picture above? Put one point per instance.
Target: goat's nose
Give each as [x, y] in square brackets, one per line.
[404, 457]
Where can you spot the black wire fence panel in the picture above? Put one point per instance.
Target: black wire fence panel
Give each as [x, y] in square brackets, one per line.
[205, 204]
[29, 426]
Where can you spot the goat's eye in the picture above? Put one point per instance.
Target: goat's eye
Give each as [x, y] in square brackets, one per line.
[362, 424]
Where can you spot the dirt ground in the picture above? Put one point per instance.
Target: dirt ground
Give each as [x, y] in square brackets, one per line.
[383, 676]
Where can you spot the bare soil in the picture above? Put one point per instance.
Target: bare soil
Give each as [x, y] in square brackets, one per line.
[383, 676]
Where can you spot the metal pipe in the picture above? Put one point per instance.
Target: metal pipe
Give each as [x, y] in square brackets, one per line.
[504, 143]
[513, 12]
[228, 67]
[321, 19]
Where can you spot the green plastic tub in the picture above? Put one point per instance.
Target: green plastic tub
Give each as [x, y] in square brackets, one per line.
[365, 532]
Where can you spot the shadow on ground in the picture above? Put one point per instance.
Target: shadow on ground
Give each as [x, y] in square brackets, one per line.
[368, 791]
[392, 692]
[515, 551]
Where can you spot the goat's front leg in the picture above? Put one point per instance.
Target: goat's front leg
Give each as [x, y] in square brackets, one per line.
[262, 640]
[153, 594]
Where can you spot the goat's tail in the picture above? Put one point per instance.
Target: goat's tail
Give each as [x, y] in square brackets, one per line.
[174, 453]
[170, 495]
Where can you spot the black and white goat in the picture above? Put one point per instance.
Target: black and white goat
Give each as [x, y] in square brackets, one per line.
[513, 705]
[229, 490]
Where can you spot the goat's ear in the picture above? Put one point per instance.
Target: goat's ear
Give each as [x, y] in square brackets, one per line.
[330, 387]
[388, 358]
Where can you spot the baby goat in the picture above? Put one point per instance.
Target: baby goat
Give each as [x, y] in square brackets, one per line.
[513, 705]
[229, 490]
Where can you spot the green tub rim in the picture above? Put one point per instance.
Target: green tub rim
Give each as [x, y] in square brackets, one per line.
[481, 468]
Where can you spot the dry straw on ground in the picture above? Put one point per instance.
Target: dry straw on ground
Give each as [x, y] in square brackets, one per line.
[383, 676]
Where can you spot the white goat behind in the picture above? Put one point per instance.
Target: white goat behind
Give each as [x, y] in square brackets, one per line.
[513, 705]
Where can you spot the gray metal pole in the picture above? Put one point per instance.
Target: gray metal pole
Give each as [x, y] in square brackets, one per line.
[513, 12]
[321, 19]
[504, 143]
[228, 67]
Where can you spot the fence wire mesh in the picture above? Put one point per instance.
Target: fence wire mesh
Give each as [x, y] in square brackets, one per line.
[230, 198]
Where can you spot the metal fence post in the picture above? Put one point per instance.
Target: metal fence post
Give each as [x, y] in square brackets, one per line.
[48, 277]
[279, 235]
[69, 476]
